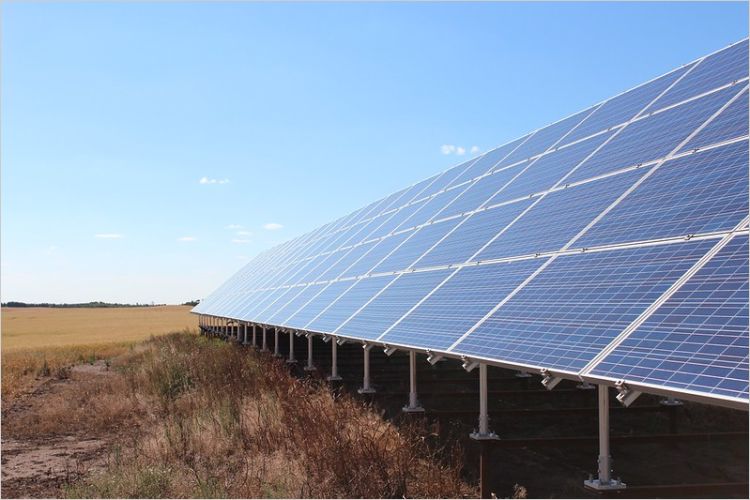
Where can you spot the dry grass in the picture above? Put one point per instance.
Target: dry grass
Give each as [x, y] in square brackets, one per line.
[43, 342]
[219, 421]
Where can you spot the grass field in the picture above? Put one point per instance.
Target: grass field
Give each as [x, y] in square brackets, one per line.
[38, 342]
[42, 327]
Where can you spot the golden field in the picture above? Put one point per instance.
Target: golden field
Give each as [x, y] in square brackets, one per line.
[38, 342]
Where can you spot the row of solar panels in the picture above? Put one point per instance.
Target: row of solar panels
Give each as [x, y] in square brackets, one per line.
[486, 259]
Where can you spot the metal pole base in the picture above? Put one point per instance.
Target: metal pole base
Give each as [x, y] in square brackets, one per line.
[291, 361]
[613, 485]
[412, 409]
[333, 378]
[490, 436]
[366, 390]
[309, 368]
[277, 355]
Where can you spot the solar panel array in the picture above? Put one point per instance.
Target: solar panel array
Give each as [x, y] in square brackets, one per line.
[610, 245]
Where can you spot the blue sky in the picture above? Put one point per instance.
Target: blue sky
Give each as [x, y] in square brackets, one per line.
[290, 114]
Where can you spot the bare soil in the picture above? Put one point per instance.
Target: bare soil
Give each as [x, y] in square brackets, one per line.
[38, 466]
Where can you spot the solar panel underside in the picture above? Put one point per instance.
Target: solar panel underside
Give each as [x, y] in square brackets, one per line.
[579, 248]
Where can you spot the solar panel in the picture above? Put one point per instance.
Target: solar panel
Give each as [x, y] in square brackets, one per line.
[559, 250]
[564, 316]
[699, 193]
[698, 339]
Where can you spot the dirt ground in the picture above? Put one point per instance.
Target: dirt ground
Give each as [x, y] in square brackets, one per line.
[40, 465]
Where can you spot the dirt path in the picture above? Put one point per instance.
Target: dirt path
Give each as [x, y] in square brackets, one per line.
[39, 465]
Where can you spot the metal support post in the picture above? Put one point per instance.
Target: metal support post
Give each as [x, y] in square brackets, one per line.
[255, 343]
[244, 334]
[276, 348]
[604, 481]
[334, 376]
[291, 349]
[414, 406]
[265, 344]
[310, 366]
[239, 333]
[366, 386]
[483, 433]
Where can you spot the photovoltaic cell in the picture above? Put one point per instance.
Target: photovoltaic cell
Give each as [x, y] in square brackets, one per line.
[653, 137]
[477, 194]
[456, 306]
[545, 138]
[558, 217]
[550, 168]
[719, 69]
[622, 108]
[703, 192]
[487, 162]
[391, 304]
[413, 248]
[315, 306]
[379, 252]
[474, 232]
[577, 305]
[347, 304]
[698, 339]
[731, 123]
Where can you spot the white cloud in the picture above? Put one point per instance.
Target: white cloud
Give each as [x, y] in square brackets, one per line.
[187, 238]
[447, 149]
[234, 226]
[206, 180]
[272, 226]
[450, 149]
[244, 233]
[51, 250]
[109, 236]
[241, 241]
[474, 150]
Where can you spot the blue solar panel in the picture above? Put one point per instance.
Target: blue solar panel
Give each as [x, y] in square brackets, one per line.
[577, 305]
[550, 168]
[698, 339]
[545, 138]
[282, 313]
[473, 233]
[391, 304]
[623, 107]
[348, 303]
[558, 217]
[731, 123]
[487, 162]
[653, 137]
[325, 297]
[398, 219]
[413, 248]
[351, 256]
[381, 250]
[703, 192]
[457, 305]
[719, 69]
[477, 194]
[433, 206]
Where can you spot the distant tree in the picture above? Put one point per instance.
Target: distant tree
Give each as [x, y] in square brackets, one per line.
[191, 303]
